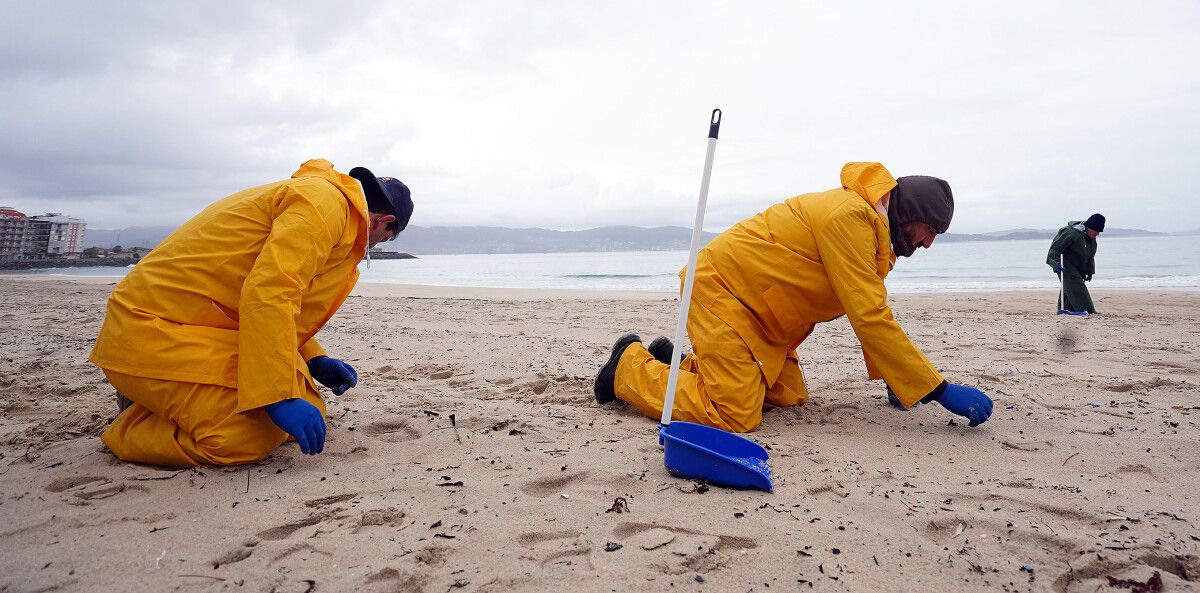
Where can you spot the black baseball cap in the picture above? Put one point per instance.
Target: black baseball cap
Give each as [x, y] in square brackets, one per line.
[386, 194]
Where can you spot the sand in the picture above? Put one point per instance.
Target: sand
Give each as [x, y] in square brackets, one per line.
[1088, 468]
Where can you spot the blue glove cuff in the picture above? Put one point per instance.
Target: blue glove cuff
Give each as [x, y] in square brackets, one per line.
[935, 394]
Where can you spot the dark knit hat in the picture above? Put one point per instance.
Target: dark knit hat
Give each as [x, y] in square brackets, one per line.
[1095, 222]
[918, 198]
[387, 195]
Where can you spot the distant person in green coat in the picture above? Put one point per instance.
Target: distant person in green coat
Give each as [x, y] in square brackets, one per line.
[1073, 257]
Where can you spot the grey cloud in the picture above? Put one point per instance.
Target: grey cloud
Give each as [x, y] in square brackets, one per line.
[101, 117]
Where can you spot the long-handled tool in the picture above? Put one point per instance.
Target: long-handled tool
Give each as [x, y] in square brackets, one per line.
[1061, 286]
[694, 450]
[1062, 290]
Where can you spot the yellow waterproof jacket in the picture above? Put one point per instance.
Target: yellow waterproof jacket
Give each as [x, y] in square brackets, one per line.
[809, 259]
[235, 296]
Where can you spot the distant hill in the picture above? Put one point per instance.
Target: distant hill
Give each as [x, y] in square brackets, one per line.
[1012, 231]
[134, 236]
[1046, 234]
[483, 239]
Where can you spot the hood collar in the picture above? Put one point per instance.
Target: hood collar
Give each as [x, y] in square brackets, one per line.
[870, 180]
[346, 184]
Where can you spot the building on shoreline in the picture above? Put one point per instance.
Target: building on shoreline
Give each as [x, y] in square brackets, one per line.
[48, 236]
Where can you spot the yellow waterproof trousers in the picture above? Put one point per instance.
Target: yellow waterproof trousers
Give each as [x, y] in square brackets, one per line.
[176, 424]
[720, 383]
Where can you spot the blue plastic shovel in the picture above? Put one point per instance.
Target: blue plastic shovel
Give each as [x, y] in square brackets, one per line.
[694, 450]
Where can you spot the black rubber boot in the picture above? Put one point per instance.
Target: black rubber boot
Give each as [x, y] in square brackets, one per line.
[123, 402]
[605, 392]
[661, 349]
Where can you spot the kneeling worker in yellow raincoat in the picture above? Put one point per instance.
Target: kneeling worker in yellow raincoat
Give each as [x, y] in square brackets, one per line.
[762, 285]
[211, 338]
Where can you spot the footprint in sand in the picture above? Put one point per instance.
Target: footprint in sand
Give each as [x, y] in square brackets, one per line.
[1149, 384]
[1185, 567]
[433, 371]
[107, 491]
[386, 372]
[390, 579]
[677, 550]
[543, 487]
[1096, 569]
[385, 516]
[1137, 468]
[433, 555]
[725, 542]
[556, 547]
[91, 487]
[235, 555]
[536, 537]
[287, 529]
[64, 484]
[392, 431]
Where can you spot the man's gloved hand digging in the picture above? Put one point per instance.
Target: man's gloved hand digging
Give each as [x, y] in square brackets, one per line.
[333, 373]
[965, 401]
[302, 420]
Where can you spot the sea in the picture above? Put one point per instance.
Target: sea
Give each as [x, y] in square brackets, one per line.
[1160, 262]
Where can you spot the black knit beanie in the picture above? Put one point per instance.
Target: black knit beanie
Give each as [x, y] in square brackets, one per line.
[918, 198]
[1095, 222]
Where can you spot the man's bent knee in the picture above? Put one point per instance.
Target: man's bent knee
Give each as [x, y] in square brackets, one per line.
[243, 441]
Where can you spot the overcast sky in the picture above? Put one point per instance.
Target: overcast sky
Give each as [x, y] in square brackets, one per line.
[573, 115]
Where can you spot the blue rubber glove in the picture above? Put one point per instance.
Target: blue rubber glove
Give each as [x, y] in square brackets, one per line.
[333, 373]
[967, 402]
[1058, 271]
[302, 420]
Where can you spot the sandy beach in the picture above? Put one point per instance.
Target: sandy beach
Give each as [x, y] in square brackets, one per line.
[472, 457]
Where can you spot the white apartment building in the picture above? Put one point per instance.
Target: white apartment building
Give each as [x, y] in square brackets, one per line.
[50, 235]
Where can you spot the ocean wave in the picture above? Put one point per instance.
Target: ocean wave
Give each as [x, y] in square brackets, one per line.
[1179, 281]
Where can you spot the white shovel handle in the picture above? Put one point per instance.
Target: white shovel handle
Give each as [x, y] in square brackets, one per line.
[714, 125]
[1062, 287]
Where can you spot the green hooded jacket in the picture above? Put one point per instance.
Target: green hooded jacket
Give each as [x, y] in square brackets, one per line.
[1077, 249]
